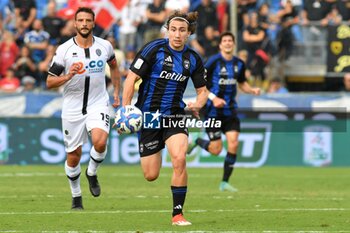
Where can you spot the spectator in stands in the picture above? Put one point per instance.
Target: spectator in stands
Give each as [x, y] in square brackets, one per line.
[209, 42]
[250, 5]
[288, 17]
[9, 83]
[25, 11]
[206, 17]
[41, 8]
[333, 18]
[315, 10]
[255, 39]
[38, 41]
[43, 66]
[8, 52]
[24, 64]
[223, 15]
[156, 17]
[52, 23]
[28, 84]
[141, 6]
[128, 23]
[270, 23]
[7, 16]
[242, 22]
[277, 87]
[67, 32]
[314, 13]
[346, 82]
[297, 4]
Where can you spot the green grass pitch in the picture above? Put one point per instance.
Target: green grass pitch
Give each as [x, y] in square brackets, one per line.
[270, 199]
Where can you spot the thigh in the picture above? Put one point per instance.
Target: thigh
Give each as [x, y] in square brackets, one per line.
[74, 133]
[151, 141]
[177, 145]
[98, 119]
[151, 164]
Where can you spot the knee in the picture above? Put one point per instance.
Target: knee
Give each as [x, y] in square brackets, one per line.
[215, 148]
[73, 159]
[100, 146]
[232, 146]
[179, 164]
[216, 151]
[150, 176]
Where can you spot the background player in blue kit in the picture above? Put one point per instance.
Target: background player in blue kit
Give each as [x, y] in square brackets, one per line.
[165, 65]
[224, 72]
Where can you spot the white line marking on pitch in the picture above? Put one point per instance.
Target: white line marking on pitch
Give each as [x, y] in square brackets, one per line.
[197, 231]
[166, 211]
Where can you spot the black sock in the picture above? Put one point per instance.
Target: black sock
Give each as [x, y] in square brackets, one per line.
[202, 143]
[228, 166]
[179, 195]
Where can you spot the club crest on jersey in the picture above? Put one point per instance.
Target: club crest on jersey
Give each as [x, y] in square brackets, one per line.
[186, 64]
[98, 52]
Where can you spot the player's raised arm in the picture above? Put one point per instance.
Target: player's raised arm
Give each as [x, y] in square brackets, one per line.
[129, 86]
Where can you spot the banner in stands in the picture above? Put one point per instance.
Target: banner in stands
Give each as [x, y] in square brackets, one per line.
[316, 143]
[338, 60]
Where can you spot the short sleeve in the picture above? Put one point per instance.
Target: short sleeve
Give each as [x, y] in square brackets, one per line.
[199, 74]
[57, 65]
[241, 75]
[110, 52]
[141, 64]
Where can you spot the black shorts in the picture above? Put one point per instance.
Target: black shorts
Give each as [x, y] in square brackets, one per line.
[231, 123]
[153, 140]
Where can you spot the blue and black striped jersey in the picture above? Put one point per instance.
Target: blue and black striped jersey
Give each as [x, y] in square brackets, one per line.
[165, 73]
[222, 78]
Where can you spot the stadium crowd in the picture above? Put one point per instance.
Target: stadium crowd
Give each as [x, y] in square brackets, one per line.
[30, 31]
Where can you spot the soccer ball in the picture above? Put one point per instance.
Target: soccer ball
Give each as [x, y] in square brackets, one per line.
[128, 119]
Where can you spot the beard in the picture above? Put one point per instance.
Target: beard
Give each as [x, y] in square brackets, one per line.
[85, 34]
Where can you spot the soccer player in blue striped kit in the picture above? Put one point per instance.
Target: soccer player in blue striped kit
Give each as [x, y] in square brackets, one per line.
[165, 65]
[224, 71]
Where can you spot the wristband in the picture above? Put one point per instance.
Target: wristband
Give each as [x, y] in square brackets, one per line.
[211, 96]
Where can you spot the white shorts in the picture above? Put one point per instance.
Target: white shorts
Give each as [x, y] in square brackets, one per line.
[76, 131]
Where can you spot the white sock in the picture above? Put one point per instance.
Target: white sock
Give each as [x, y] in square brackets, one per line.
[96, 159]
[73, 174]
